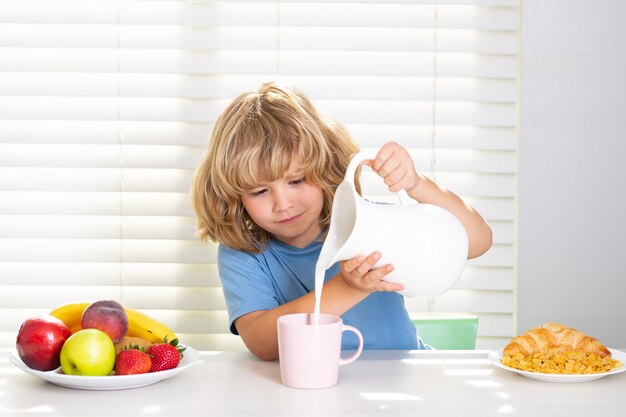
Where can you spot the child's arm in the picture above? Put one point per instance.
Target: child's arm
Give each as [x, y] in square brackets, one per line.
[394, 164]
[342, 292]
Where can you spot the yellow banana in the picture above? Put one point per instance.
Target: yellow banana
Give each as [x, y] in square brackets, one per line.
[139, 324]
[70, 314]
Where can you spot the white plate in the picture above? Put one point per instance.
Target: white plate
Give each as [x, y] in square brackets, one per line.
[112, 382]
[496, 356]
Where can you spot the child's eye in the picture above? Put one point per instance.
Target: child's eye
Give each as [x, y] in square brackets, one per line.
[296, 182]
[258, 193]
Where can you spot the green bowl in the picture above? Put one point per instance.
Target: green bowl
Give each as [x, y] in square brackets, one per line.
[448, 332]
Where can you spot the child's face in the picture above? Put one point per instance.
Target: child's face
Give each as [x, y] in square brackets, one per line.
[288, 208]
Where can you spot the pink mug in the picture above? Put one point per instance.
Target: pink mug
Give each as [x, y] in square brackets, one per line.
[309, 353]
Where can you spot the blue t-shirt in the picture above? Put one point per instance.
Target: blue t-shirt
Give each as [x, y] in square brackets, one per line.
[282, 273]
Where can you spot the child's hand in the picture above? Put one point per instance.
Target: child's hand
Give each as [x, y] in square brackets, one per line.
[358, 273]
[394, 164]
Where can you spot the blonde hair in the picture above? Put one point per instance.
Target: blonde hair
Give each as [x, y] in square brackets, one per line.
[256, 138]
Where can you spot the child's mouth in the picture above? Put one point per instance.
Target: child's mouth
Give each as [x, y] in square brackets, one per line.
[290, 219]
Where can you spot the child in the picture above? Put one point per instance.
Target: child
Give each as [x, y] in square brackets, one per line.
[264, 191]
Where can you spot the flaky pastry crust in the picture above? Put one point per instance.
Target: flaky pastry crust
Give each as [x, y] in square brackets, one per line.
[554, 337]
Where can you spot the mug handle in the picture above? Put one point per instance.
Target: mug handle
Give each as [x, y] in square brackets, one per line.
[346, 328]
[354, 164]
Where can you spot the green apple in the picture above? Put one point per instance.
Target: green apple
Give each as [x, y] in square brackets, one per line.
[88, 352]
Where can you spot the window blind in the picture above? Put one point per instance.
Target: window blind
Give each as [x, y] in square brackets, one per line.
[106, 107]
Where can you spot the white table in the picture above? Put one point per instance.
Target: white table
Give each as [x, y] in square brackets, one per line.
[398, 383]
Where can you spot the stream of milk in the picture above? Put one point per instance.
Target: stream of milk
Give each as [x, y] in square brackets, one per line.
[320, 271]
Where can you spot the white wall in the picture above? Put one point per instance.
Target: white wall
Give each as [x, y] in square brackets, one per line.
[572, 207]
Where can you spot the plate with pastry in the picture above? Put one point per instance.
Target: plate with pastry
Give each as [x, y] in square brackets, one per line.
[554, 352]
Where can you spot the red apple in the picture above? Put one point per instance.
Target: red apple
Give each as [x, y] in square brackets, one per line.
[39, 342]
[108, 316]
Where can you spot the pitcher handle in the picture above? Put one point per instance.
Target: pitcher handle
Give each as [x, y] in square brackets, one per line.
[357, 160]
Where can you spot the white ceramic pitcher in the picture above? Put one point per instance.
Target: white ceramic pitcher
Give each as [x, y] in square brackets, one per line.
[426, 244]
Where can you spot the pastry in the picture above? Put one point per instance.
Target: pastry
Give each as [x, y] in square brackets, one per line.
[554, 337]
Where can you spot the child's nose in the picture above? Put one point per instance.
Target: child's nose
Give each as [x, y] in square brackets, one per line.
[282, 200]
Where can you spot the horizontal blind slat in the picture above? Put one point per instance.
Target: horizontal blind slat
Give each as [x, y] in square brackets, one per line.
[100, 156]
[137, 227]
[421, 136]
[95, 203]
[98, 227]
[346, 63]
[197, 134]
[156, 250]
[169, 204]
[106, 250]
[109, 274]
[325, 14]
[201, 110]
[157, 132]
[201, 299]
[186, 275]
[179, 181]
[256, 38]
[218, 87]
[181, 157]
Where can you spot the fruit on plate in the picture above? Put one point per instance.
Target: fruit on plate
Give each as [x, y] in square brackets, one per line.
[39, 342]
[139, 324]
[70, 314]
[108, 316]
[132, 362]
[142, 325]
[132, 342]
[88, 352]
[165, 355]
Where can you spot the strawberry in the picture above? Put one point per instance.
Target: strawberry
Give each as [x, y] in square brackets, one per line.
[132, 361]
[165, 355]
